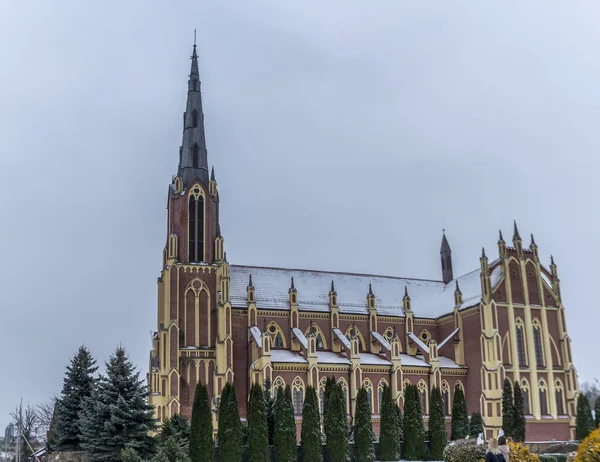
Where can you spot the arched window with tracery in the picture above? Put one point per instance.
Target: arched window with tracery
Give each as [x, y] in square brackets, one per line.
[560, 397]
[276, 385]
[537, 341]
[380, 388]
[298, 395]
[354, 331]
[543, 392]
[319, 336]
[196, 226]
[422, 388]
[277, 338]
[521, 343]
[369, 387]
[446, 397]
[342, 382]
[526, 397]
[322, 395]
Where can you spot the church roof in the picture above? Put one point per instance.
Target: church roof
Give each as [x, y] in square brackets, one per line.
[429, 299]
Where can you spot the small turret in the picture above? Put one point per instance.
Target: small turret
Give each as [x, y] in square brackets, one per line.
[533, 246]
[457, 296]
[212, 184]
[250, 290]
[486, 283]
[293, 293]
[406, 305]
[446, 258]
[501, 245]
[370, 298]
[517, 241]
[332, 295]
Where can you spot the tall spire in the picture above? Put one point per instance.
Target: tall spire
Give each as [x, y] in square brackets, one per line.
[446, 258]
[193, 158]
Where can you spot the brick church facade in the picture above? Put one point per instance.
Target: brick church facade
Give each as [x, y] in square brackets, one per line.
[219, 322]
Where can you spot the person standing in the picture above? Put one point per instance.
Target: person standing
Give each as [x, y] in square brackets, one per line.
[494, 454]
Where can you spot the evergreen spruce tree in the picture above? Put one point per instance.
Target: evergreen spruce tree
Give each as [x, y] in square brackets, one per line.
[460, 418]
[597, 412]
[270, 410]
[414, 430]
[389, 428]
[258, 429]
[363, 429]
[508, 409]
[329, 383]
[177, 426]
[584, 422]
[337, 425]
[172, 449]
[310, 437]
[230, 426]
[78, 385]
[201, 432]
[475, 425]
[285, 427]
[130, 455]
[438, 435]
[518, 431]
[400, 422]
[117, 415]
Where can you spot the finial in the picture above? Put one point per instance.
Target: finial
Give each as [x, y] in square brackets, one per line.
[457, 288]
[370, 289]
[406, 291]
[250, 280]
[332, 286]
[483, 252]
[212, 174]
[444, 231]
[532, 240]
[292, 284]
[552, 259]
[516, 231]
[500, 238]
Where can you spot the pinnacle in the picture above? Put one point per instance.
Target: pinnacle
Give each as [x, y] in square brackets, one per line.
[332, 286]
[500, 238]
[292, 287]
[483, 253]
[458, 288]
[250, 281]
[533, 240]
[516, 232]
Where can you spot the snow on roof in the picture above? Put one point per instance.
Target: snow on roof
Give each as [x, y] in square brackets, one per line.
[430, 299]
[546, 279]
[384, 343]
[371, 359]
[329, 357]
[408, 360]
[300, 336]
[419, 342]
[342, 337]
[448, 363]
[443, 342]
[255, 331]
[286, 356]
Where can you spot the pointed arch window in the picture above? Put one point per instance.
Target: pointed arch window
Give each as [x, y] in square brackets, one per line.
[369, 387]
[521, 343]
[196, 226]
[422, 388]
[319, 341]
[277, 338]
[344, 386]
[298, 396]
[319, 336]
[276, 384]
[543, 391]
[560, 403]
[195, 118]
[446, 397]
[380, 388]
[526, 400]
[537, 340]
[322, 399]
[195, 155]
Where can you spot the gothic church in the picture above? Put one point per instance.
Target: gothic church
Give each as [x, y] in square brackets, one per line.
[220, 322]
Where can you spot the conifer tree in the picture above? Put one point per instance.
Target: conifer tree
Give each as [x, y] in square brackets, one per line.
[363, 429]
[414, 430]
[329, 383]
[270, 410]
[285, 427]
[310, 437]
[230, 426]
[117, 415]
[172, 449]
[584, 422]
[258, 429]
[518, 431]
[78, 385]
[438, 435]
[460, 418]
[389, 428]
[177, 426]
[201, 439]
[508, 409]
[475, 425]
[400, 422]
[597, 412]
[337, 425]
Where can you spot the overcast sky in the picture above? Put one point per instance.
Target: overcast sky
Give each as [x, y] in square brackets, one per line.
[345, 135]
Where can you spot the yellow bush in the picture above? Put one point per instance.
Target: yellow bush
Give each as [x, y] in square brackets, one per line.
[589, 450]
[521, 453]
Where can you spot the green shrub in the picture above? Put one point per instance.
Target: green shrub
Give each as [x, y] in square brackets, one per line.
[551, 458]
[464, 451]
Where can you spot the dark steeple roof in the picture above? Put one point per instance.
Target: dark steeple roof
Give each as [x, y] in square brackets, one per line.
[193, 161]
[445, 245]
[516, 232]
